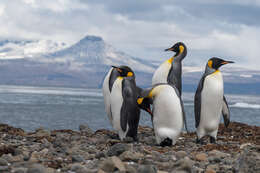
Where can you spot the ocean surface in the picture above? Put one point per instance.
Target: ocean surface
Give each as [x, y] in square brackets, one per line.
[66, 108]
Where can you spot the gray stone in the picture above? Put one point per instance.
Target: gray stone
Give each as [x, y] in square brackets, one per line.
[79, 168]
[118, 164]
[147, 169]
[86, 129]
[77, 158]
[180, 154]
[36, 168]
[249, 161]
[20, 170]
[131, 156]
[3, 162]
[107, 165]
[184, 164]
[130, 169]
[117, 149]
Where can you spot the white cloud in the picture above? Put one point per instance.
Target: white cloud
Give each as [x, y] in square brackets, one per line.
[140, 33]
[2, 9]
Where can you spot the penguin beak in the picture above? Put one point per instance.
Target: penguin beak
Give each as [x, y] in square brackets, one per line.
[227, 62]
[117, 68]
[170, 49]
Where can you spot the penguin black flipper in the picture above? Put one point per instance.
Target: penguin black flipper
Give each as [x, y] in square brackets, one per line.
[225, 112]
[174, 76]
[184, 116]
[130, 112]
[197, 101]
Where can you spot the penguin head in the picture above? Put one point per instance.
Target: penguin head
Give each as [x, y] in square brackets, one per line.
[124, 71]
[178, 48]
[144, 103]
[215, 63]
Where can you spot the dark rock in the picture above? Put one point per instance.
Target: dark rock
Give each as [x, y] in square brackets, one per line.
[117, 149]
[4, 168]
[3, 162]
[100, 155]
[17, 151]
[147, 169]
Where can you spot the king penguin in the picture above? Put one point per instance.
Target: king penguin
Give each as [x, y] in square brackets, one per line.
[120, 101]
[210, 101]
[168, 113]
[170, 71]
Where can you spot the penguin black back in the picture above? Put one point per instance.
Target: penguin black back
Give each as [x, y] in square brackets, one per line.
[130, 112]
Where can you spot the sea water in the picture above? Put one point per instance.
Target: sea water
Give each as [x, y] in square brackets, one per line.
[66, 108]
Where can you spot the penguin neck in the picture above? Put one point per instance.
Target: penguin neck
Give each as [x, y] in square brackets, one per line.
[180, 55]
[209, 70]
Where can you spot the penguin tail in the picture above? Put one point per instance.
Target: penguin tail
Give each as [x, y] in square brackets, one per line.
[166, 142]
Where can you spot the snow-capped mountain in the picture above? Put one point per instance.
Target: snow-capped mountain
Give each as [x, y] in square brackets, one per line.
[14, 49]
[85, 63]
[93, 51]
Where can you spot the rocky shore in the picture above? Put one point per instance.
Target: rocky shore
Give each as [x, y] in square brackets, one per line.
[86, 151]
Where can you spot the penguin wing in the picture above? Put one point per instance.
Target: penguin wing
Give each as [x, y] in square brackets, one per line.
[225, 112]
[174, 76]
[129, 105]
[197, 101]
[184, 115]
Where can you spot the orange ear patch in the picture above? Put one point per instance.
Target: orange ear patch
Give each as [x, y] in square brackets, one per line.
[181, 48]
[210, 63]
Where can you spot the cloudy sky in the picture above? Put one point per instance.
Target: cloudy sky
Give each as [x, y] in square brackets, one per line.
[227, 29]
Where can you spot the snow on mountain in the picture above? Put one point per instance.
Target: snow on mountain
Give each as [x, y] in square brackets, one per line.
[85, 63]
[92, 50]
[14, 49]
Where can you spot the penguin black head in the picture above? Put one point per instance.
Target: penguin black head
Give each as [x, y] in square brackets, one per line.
[124, 71]
[144, 103]
[178, 48]
[215, 63]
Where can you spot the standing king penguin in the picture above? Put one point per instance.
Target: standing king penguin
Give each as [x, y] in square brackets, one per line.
[120, 93]
[170, 71]
[210, 101]
[167, 114]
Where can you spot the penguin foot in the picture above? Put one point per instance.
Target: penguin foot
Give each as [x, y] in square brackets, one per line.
[200, 141]
[212, 140]
[166, 142]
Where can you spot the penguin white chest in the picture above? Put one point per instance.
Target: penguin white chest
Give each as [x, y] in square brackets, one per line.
[211, 102]
[106, 94]
[116, 100]
[161, 73]
[167, 111]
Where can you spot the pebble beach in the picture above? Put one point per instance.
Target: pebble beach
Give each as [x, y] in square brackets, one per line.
[87, 151]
